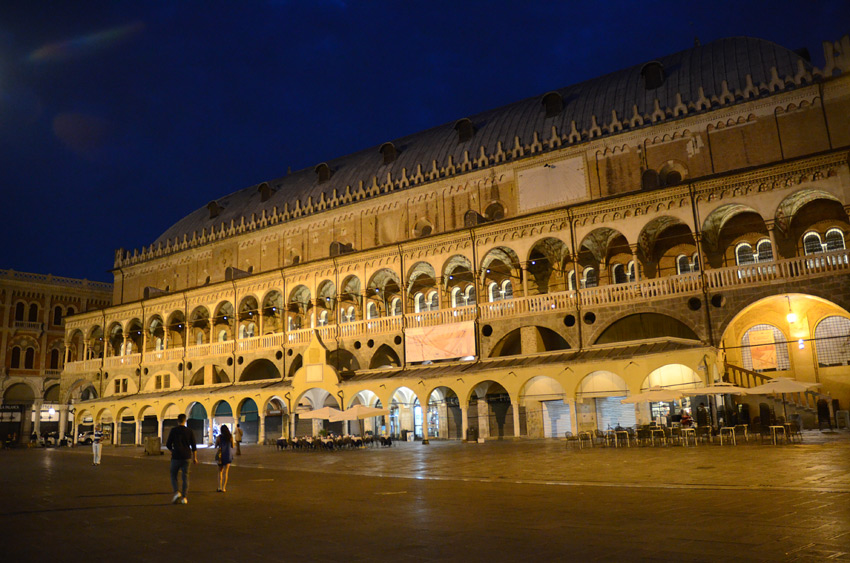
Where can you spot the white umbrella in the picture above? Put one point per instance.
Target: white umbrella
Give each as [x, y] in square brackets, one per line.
[781, 386]
[717, 389]
[324, 413]
[356, 412]
[654, 395]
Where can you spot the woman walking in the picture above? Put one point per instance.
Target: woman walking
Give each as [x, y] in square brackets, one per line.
[224, 443]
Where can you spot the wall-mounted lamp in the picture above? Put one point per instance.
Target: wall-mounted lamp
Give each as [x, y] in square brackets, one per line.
[791, 317]
[801, 344]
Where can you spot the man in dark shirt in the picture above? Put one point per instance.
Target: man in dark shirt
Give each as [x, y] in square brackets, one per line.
[181, 444]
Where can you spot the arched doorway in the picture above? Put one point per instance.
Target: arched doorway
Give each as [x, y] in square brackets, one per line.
[198, 422]
[249, 421]
[126, 424]
[16, 419]
[547, 415]
[491, 414]
[671, 376]
[222, 414]
[598, 405]
[405, 414]
[445, 419]
[276, 419]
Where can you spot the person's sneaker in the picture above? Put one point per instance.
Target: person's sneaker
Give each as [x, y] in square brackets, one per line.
[176, 498]
[183, 500]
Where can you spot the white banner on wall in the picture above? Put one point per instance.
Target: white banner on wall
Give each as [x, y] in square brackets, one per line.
[554, 183]
[442, 342]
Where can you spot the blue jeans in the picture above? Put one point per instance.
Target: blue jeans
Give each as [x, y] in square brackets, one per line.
[176, 466]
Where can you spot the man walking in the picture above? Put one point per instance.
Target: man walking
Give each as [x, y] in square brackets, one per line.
[181, 444]
[237, 435]
[96, 446]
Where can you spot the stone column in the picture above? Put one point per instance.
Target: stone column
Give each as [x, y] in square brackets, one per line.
[210, 433]
[515, 409]
[36, 424]
[634, 249]
[483, 418]
[464, 417]
[63, 420]
[138, 437]
[159, 423]
[524, 273]
[261, 435]
[771, 231]
[116, 432]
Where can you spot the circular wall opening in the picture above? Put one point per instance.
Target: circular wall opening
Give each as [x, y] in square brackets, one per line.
[589, 318]
[694, 303]
[487, 330]
[569, 320]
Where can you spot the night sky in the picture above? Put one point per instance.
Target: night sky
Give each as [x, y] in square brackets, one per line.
[119, 118]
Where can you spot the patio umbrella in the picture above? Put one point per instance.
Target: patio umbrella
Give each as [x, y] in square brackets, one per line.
[781, 386]
[324, 413]
[654, 395]
[356, 412]
[717, 389]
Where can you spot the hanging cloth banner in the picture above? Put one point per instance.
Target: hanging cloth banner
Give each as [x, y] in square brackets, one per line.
[442, 342]
[763, 349]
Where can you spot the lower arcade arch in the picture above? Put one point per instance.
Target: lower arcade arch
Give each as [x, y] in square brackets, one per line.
[197, 419]
[492, 414]
[547, 412]
[444, 418]
[598, 405]
[248, 419]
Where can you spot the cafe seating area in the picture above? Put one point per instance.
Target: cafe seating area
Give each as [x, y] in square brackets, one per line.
[332, 443]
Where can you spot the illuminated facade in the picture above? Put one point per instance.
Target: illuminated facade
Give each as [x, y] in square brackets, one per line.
[33, 308]
[514, 273]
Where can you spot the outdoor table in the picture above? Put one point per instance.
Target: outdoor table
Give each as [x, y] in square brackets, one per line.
[730, 431]
[687, 433]
[654, 431]
[624, 435]
[774, 430]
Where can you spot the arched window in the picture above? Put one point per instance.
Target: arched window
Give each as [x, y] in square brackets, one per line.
[744, 254]
[33, 316]
[57, 315]
[19, 312]
[241, 331]
[683, 265]
[695, 262]
[371, 310]
[493, 292]
[29, 358]
[323, 318]
[764, 348]
[54, 359]
[834, 240]
[470, 295]
[158, 344]
[812, 244]
[70, 312]
[16, 357]
[631, 271]
[590, 279]
[419, 303]
[572, 280]
[458, 298]
[832, 341]
[433, 301]
[395, 306]
[619, 274]
[222, 335]
[507, 289]
[199, 338]
[764, 251]
[251, 331]
[351, 317]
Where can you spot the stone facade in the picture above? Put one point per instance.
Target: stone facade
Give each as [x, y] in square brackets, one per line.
[475, 275]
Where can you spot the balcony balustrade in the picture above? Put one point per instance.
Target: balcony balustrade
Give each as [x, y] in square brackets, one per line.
[789, 269]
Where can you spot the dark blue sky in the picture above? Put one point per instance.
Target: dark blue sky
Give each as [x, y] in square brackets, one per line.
[119, 118]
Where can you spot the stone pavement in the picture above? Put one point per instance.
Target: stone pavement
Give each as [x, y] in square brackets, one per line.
[497, 501]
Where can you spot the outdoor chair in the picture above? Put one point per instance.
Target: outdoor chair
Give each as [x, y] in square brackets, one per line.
[571, 440]
[741, 432]
[585, 437]
[600, 437]
[704, 433]
[794, 431]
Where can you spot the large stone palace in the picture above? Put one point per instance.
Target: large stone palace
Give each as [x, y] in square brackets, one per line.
[513, 273]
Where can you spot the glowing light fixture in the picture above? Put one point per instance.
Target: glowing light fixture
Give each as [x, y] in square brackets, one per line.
[51, 411]
[791, 317]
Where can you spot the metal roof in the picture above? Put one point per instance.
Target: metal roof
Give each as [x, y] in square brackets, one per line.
[706, 66]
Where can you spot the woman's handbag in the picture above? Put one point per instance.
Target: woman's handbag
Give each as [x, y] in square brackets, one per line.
[218, 455]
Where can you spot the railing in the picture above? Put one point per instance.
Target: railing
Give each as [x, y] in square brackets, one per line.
[167, 355]
[120, 361]
[743, 377]
[441, 317]
[371, 326]
[53, 372]
[84, 366]
[26, 325]
[787, 269]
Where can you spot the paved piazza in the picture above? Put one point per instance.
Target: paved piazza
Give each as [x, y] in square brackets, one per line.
[498, 501]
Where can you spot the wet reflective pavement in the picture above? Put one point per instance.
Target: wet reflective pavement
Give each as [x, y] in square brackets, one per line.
[497, 501]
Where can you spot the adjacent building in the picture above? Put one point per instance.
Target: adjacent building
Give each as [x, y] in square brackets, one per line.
[33, 308]
[513, 273]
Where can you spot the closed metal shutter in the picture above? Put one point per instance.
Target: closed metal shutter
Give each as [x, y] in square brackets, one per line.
[556, 419]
